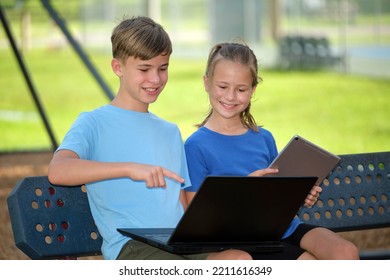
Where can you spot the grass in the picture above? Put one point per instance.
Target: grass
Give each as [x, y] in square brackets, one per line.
[345, 114]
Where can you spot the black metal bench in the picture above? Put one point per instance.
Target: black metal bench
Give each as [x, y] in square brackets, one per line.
[55, 222]
[355, 196]
[52, 222]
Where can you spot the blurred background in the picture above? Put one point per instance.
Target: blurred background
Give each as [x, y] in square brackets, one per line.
[347, 38]
[325, 66]
[357, 30]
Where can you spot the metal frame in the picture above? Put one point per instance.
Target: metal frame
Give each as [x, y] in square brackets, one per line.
[27, 76]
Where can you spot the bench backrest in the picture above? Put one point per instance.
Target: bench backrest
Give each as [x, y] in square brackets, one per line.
[51, 221]
[356, 195]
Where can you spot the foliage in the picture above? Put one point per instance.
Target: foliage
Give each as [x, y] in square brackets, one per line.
[345, 114]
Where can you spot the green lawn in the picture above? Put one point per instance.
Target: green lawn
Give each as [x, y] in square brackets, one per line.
[345, 114]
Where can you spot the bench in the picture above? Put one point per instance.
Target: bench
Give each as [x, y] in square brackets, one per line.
[306, 52]
[52, 222]
[55, 222]
[355, 196]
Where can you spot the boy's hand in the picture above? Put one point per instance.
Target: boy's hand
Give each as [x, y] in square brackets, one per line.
[312, 197]
[154, 176]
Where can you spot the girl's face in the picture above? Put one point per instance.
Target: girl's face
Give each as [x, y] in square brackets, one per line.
[230, 88]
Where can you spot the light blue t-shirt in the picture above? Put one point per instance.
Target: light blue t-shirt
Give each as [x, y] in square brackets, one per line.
[111, 134]
[212, 153]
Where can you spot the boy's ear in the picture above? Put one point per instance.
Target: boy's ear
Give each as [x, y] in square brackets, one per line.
[116, 66]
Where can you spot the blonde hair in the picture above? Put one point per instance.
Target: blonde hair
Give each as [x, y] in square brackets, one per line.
[238, 53]
[139, 37]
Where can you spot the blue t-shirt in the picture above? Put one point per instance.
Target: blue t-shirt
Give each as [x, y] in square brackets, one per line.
[112, 134]
[212, 153]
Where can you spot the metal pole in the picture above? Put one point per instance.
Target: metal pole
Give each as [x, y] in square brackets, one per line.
[27, 77]
[52, 12]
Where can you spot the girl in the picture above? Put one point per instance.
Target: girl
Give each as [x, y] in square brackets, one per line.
[229, 142]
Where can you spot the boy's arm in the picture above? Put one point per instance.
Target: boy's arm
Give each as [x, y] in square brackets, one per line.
[66, 168]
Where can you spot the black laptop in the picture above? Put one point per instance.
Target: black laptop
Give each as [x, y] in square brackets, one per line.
[240, 212]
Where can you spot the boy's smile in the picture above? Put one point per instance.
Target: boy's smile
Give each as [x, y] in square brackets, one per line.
[141, 81]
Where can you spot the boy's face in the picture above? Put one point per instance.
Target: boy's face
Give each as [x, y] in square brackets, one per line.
[141, 81]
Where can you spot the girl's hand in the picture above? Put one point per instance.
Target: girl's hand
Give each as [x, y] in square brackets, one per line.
[262, 172]
[312, 197]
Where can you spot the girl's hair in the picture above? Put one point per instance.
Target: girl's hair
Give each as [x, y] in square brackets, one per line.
[139, 37]
[238, 53]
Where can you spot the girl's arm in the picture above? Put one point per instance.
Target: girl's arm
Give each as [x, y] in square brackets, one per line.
[183, 199]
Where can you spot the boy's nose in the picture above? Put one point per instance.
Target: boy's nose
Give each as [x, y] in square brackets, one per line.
[154, 77]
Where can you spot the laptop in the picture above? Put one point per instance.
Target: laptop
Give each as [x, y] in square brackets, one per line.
[240, 212]
[300, 157]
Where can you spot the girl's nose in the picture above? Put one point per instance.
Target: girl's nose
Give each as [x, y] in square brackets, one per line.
[230, 94]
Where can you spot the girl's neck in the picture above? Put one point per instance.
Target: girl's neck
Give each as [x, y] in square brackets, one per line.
[226, 126]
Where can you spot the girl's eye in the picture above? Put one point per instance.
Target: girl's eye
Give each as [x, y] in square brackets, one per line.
[244, 90]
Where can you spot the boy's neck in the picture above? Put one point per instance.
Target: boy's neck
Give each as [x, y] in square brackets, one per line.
[129, 105]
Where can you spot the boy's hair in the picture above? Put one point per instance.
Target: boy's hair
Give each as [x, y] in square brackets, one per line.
[236, 52]
[139, 37]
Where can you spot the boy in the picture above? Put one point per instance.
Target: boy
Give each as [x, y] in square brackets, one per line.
[132, 162]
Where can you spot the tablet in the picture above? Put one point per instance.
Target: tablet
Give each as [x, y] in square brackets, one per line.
[300, 157]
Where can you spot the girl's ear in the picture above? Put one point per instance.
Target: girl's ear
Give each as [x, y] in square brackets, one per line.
[206, 83]
[116, 66]
[254, 89]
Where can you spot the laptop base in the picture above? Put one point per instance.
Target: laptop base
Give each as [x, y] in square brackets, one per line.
[158, 241]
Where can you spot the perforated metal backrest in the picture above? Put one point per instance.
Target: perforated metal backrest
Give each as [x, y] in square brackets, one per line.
[356, 193]
[52, 222]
